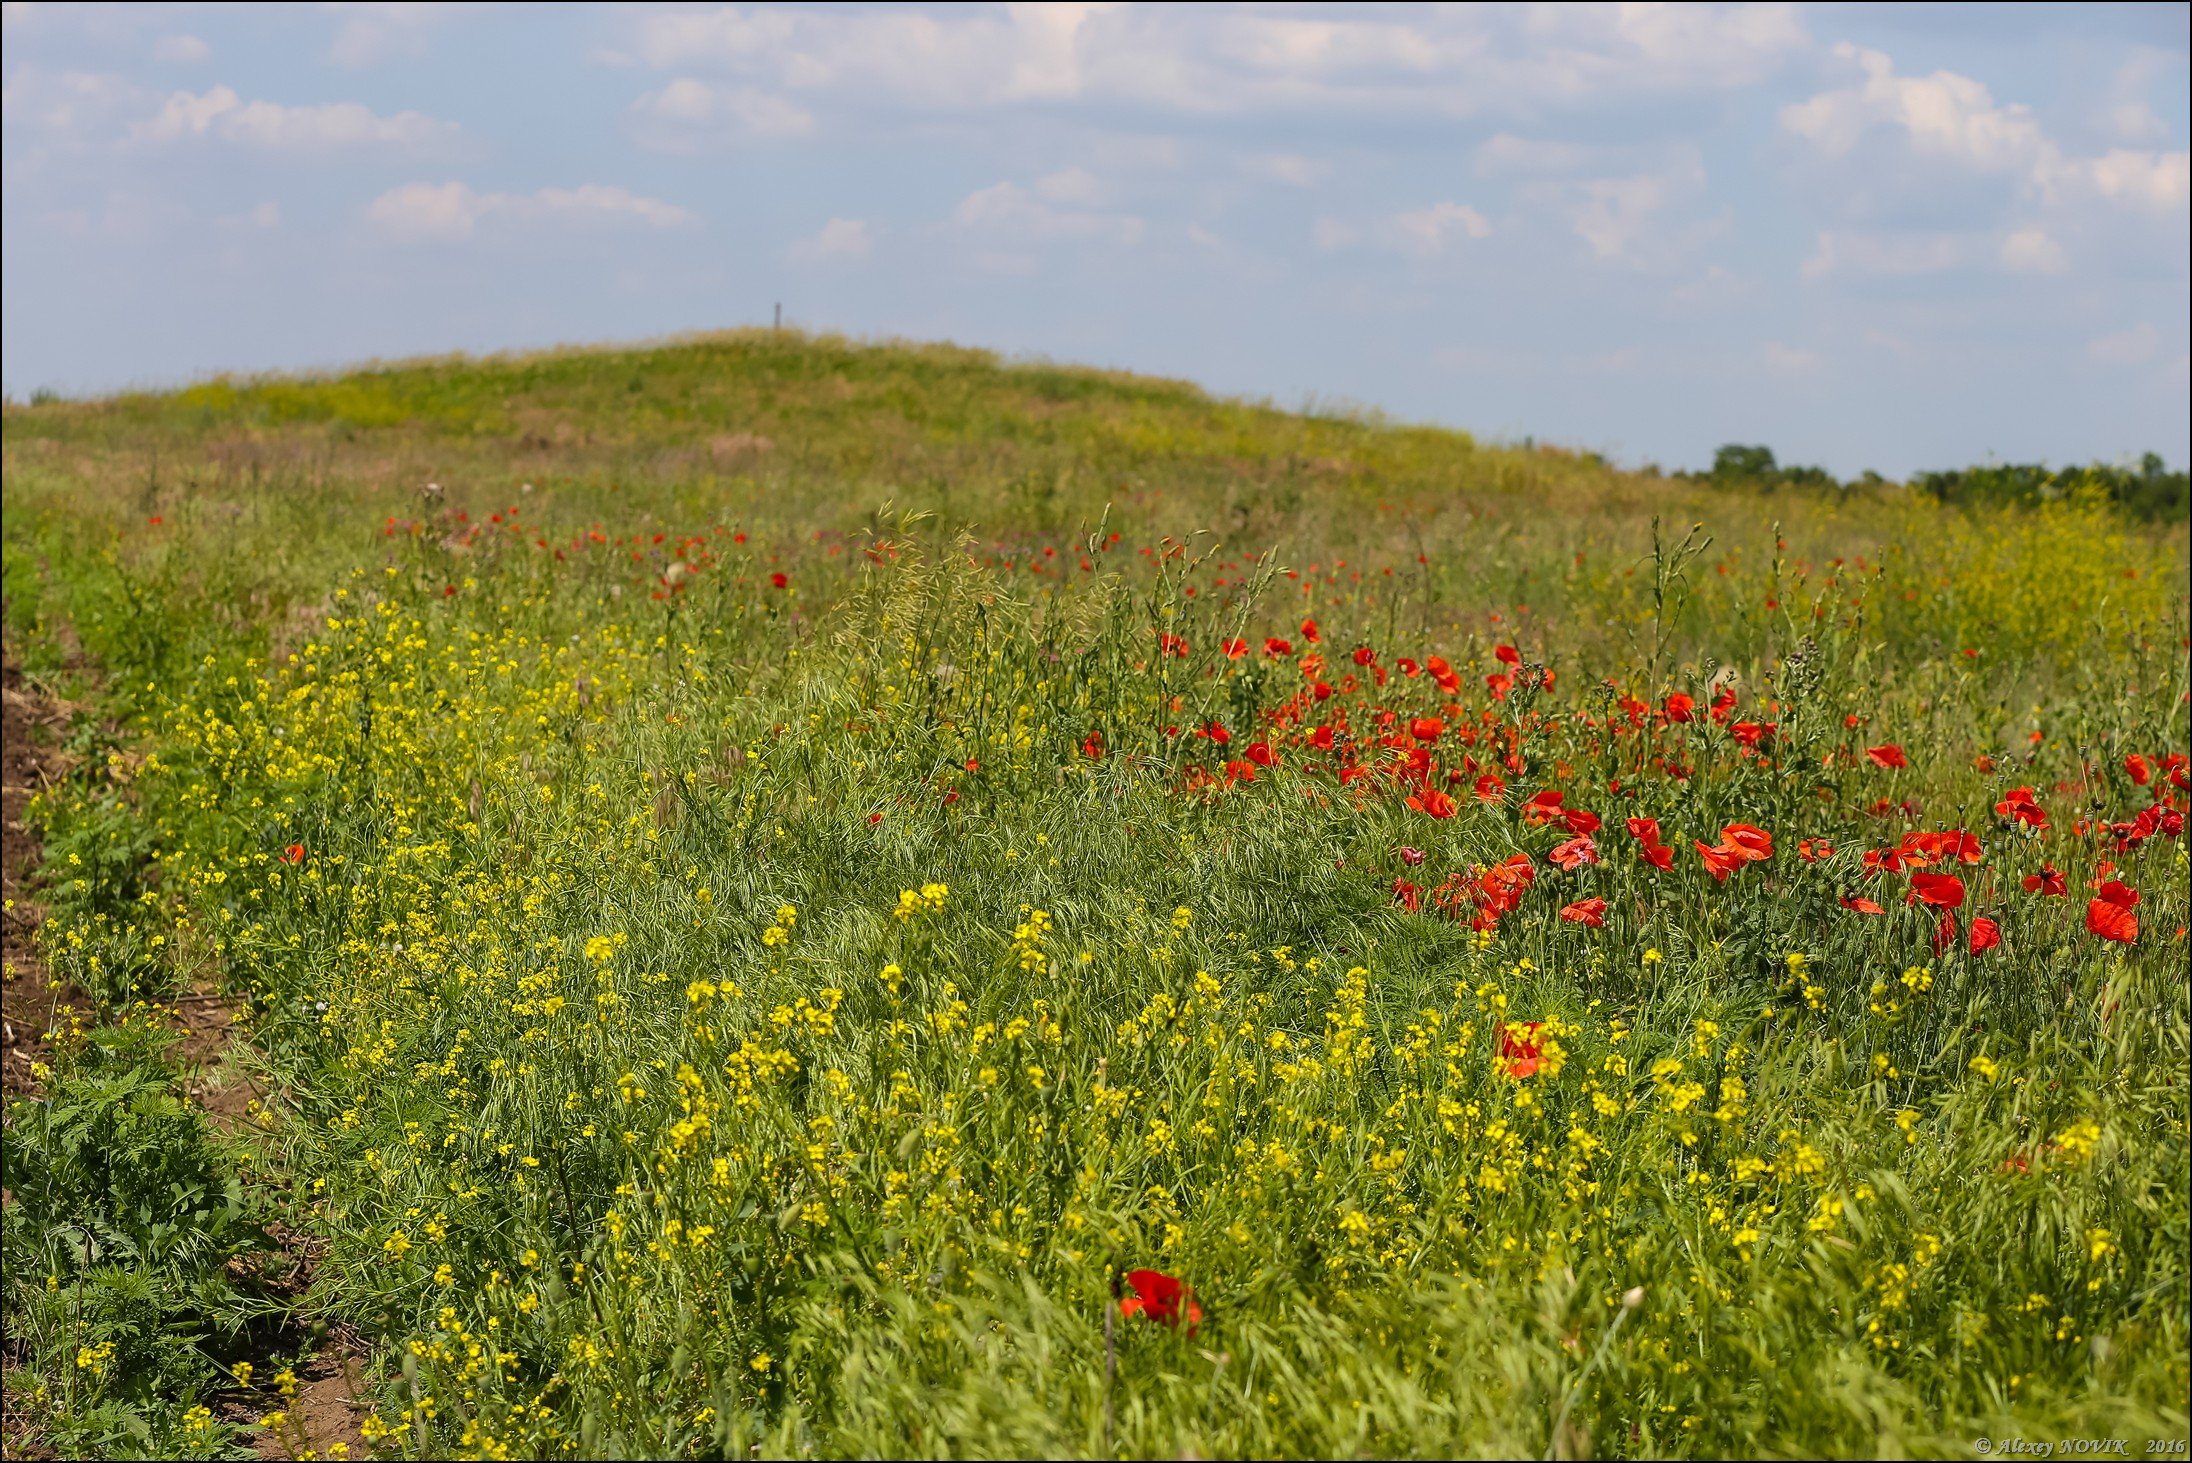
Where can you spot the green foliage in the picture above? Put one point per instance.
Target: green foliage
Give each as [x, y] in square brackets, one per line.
[124, 1217]
[1737, 465]
[2148, 491]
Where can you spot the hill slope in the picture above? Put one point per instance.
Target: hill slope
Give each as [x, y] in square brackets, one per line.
[857, 899]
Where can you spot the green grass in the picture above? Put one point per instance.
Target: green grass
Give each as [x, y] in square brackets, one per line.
[705, 1015]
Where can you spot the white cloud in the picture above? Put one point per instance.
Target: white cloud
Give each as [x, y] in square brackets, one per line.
[1955, 119]
[1428, 231]
[180, 50]
[2138, 122]
[1328, 234]
[373, 33]
[222, 114]
[1423, 232]
[2032, 251]
[1944, 114]
[71, 105]
[2128, 115]
[1789, 360]
[688, 115]
[1290, 168]
[2133, 347]
[1616, 211]
[1072, 185]
[840, 238]
[123, 217]
[1026, 53]
[1506, 154]
[2155, 180]
[1448, 61]
[266, 216]
[448, 212]
[1885, 254]
[1009, 210]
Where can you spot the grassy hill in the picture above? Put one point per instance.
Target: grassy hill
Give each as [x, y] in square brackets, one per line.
[783, 891]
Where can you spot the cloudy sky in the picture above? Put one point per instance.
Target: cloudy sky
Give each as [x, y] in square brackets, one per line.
[1888, 238]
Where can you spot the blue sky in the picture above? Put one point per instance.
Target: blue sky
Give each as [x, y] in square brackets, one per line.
[1889, 238]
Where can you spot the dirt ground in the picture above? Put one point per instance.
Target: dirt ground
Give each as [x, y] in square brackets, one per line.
[326, 1412]
[28, 1010]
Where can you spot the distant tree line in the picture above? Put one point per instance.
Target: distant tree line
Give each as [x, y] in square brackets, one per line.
[2148, 490]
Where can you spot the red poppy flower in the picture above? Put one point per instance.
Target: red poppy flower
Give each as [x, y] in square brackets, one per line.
[1681, 707]
[1309, 631]
[1235, 649]
[1216, 732]
[1644, 830]
[1408, 667]
[1364, 655]
[1449, 679]
[1408, 896]
[1590, 912]
[2049, 882]
[1520, 1053]
[1426, 728]
[1092, 746]
[779, 580]
[2138, 768]
[294, 854]
[1861, 906]
[1410, 856]
[1919, 849]
[1276, 647]
[1753, 843]
[2112, 921]
[1508, 654]
[1575, 853]
[1432, 801]
[2019, 806]
[1942, 891]
[1985, 934]
[1499, 686]
[1580, 820]
[1944, 933]
[1162, 1298]
[1719, 862]
[1261, 754]
[1490, 789]
[1494, 891]
[1658, 855]
[1887, 754]
[1543, 807]
[1750, 733]
[1811, 850]
[2117, 893]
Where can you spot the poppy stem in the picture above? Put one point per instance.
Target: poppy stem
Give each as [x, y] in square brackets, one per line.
[1111, 1357]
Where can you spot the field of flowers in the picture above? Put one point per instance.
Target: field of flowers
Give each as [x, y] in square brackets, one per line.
[857, 900]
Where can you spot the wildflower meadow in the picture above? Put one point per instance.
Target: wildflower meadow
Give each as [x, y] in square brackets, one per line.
[769, 896]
